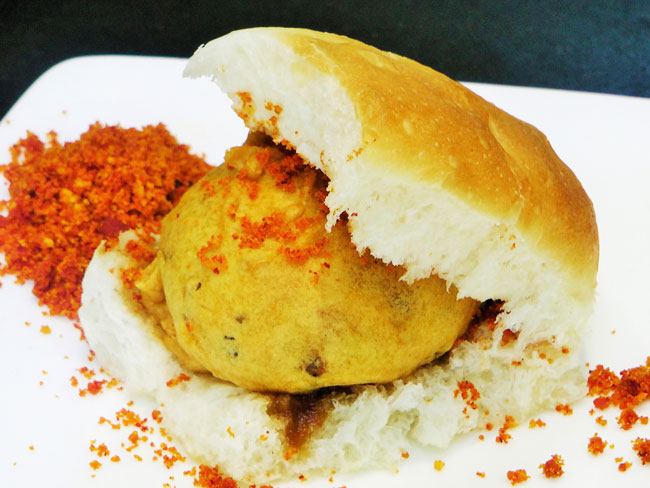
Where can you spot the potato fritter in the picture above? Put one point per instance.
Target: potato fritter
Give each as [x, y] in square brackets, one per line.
[261, 295]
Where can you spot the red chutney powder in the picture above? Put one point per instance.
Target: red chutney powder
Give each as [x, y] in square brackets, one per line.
[67, 198]
[517, 476]
[625, 391]
[642, 449]
[211, 477]
[596, 445]
[278, 226]
[553, 467]
[508, 424]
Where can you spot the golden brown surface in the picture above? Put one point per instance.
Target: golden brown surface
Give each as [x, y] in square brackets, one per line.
[263, 297]
[496, 163]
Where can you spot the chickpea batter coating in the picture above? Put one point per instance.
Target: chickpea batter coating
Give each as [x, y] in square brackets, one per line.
[260, 295]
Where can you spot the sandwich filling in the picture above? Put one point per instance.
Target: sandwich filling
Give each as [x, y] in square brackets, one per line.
[249, 286]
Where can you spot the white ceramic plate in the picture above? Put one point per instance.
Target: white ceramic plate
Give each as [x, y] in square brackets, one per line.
[46, 429]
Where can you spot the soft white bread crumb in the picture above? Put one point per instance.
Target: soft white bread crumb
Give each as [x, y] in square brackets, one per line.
[221, 424]
[116, 333]
[431, 177]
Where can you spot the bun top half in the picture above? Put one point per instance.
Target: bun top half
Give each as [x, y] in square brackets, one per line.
[431, 176]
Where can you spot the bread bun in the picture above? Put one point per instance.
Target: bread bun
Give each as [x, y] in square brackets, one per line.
[433, 178]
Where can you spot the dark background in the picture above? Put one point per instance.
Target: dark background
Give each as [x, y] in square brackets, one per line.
[597, 45]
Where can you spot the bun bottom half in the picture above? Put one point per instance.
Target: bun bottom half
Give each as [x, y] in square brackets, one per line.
[368, 426]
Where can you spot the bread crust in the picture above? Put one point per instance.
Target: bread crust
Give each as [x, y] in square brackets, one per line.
[489, 159]
[423, 126]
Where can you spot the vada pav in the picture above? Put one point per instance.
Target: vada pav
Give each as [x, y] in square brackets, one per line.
[379, 215]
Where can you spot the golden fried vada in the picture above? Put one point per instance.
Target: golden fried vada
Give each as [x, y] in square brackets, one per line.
[262, 296]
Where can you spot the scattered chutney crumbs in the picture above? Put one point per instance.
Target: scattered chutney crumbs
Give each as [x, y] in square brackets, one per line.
[288, 172]
[282, 170]
[277, 227]
[251, 186]
[156, 416]
[553, 467]
[177, 380]
[596, 445]
[86, 372]
[142, 251]
[629, 417]
[94, 387]
[480, 474]
[642, 449]
[508, 424]
[625, 391]
[468, 393]
[438, 465]
[82, 335]
[45, 329]
[623, 466]
[100, 451]
[67, 198]
[535, 423]
[508, 337]
[564, 409]
[210, 477]
[207, 255]
[125, 418]
[169, 455]
[517, 476]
